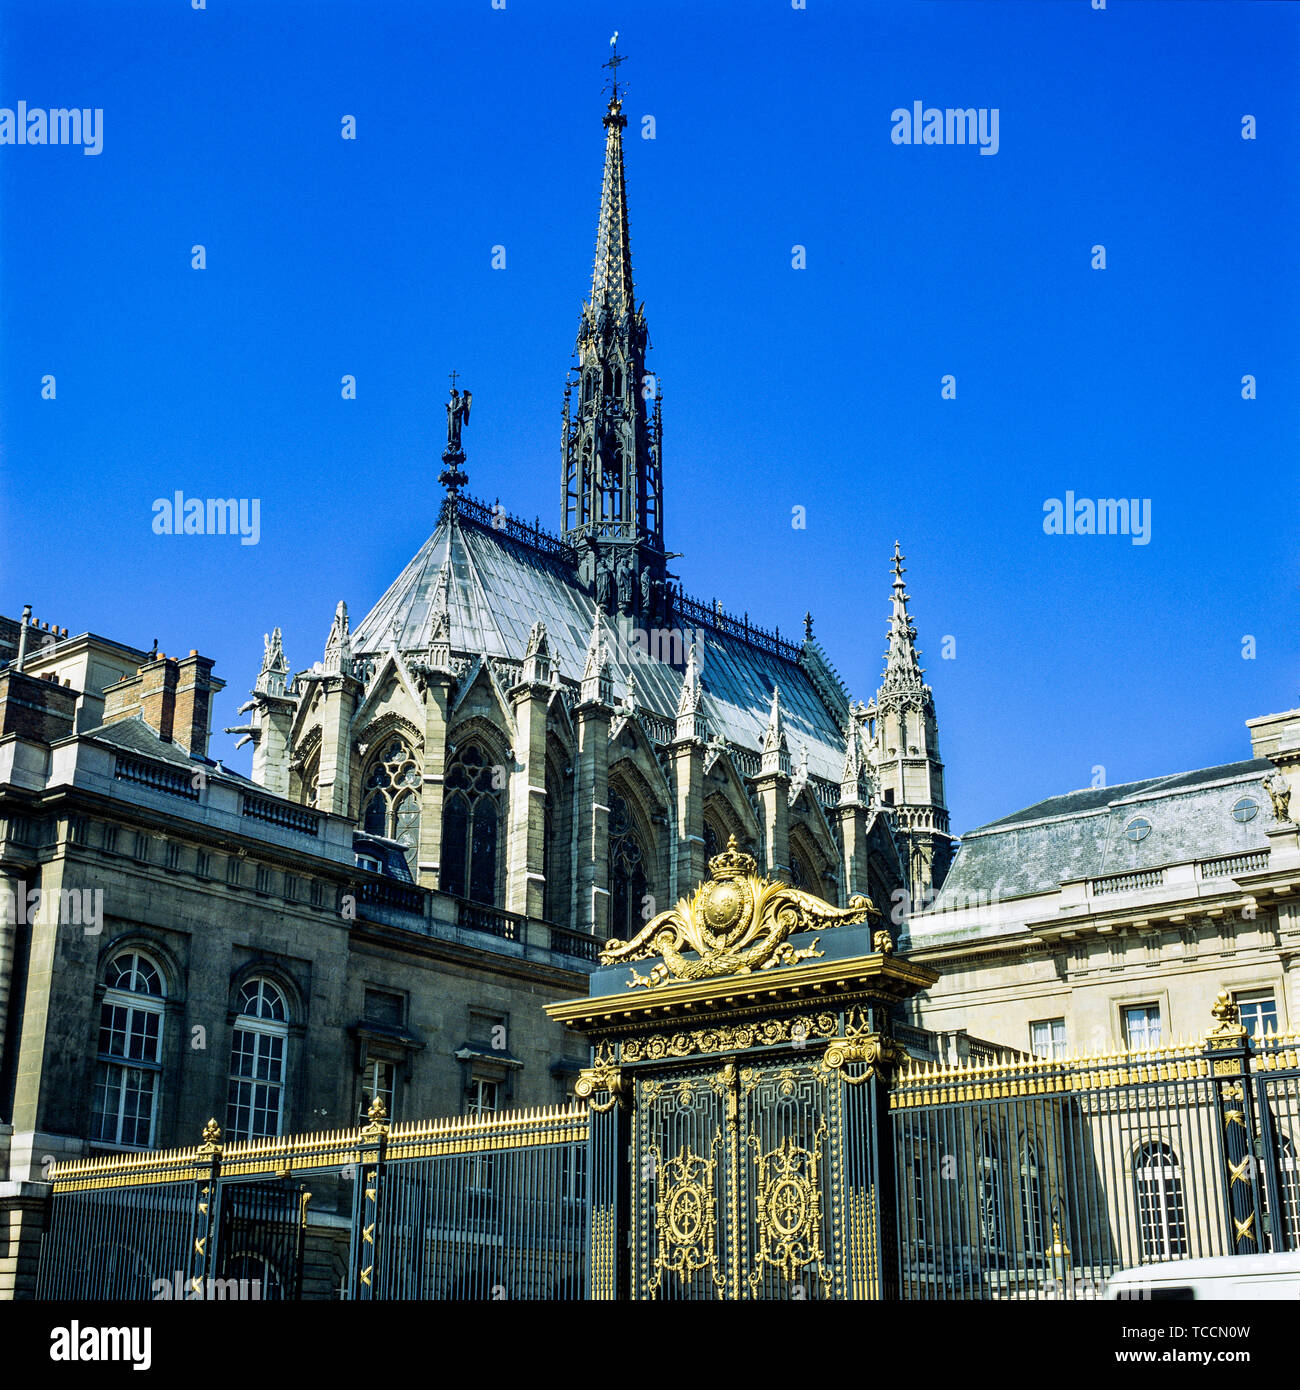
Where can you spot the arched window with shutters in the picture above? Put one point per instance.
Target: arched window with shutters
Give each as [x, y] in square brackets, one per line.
[1031, 1201]
[992, 1226]
[471, 824]
[1162, 1219]
[255, 1098]
[390, 797]
[629, 884]
[129, 1075]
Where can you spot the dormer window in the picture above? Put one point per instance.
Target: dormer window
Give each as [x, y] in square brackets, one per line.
[1138, 828]
[1247, 808]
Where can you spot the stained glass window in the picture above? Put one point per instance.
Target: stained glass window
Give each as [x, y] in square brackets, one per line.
[471, 827]
[628, 885]
[390, 798]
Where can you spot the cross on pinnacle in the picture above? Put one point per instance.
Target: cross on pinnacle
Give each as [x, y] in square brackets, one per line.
[615, 58]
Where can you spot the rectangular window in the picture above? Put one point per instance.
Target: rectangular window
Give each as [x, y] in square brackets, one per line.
[1142, 1025]
[1258, 1011]
[173, 855]
[126, 1080]
[202, 865]
[1047, 1038]
[233, 868]
[378, 1079]
[256, 1095]
[484, 1101]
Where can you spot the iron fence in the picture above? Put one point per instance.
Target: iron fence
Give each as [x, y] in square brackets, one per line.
[485, 1207]
[1041, 1178]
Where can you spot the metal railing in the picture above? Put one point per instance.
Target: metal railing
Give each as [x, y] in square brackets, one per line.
[1041, 1178]
[488, 1207]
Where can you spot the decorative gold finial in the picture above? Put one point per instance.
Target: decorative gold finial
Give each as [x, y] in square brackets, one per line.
[378, 1116]
[1225, 1009]
[211, 1137]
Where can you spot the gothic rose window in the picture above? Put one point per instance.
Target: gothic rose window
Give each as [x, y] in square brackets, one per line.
[471, 815]
[390, 798]
[628, 886]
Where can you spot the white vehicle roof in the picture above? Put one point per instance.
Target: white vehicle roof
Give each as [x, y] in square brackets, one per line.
[1220, 1267]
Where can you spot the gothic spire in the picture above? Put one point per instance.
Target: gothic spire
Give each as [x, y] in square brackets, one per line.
[611, 278]
[612, 494]
[901, 665]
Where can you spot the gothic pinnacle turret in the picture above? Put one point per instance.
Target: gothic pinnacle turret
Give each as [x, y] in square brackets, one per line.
[612, 484]
[901, 665]
[905, 750]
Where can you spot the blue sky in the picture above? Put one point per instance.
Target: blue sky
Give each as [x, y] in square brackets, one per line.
[817, 388]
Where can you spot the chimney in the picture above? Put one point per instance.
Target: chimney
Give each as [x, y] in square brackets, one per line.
[149, 695]
[195, 688]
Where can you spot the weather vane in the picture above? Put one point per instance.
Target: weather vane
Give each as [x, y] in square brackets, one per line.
[615, 58]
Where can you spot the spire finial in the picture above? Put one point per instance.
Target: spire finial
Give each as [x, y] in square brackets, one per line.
[615, 58]
[901, 664]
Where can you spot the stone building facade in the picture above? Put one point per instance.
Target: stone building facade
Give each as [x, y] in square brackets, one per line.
[1112, 917]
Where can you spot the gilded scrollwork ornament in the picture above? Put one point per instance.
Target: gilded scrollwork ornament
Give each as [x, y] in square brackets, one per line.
[734, 924]
[602, 1075]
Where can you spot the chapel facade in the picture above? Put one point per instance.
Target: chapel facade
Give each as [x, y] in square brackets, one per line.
[546, 726]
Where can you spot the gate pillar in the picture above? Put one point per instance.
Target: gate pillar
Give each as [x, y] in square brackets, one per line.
[740, 1137]
[1228, 1050]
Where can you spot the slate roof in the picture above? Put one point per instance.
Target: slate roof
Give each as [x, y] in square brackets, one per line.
[1081, 834]
[133, 735]
[501, 586]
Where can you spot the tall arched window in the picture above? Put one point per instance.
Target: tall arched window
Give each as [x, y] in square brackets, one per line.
[1161, 1216]
[712, 844]
[255, 1099]
[1031, 1201]
[990, 1193]
[628, 885]
[471, 816]
[128, 1078]
[390, 798]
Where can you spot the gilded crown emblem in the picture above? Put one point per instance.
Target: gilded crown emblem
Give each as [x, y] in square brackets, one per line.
[732, 862]
[735, 923]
